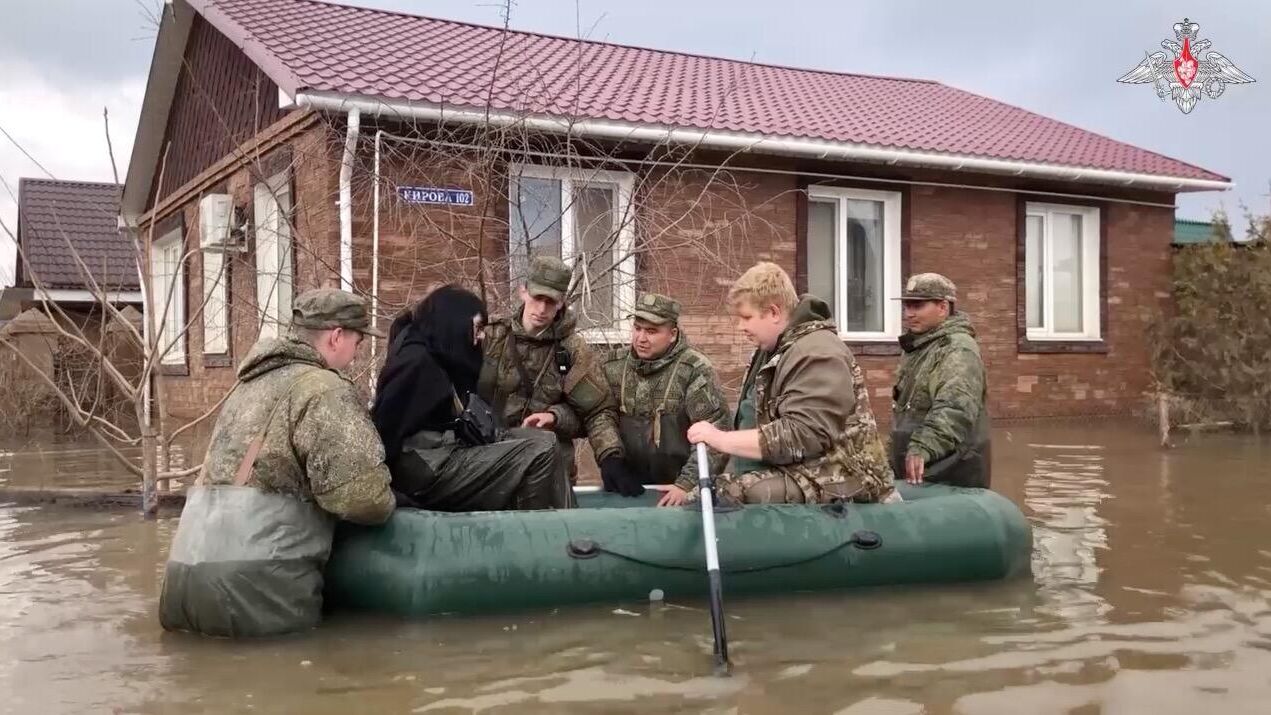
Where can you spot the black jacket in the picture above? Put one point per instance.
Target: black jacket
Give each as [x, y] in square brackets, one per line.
[414, 392]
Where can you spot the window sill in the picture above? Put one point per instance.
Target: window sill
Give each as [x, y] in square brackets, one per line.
[217, 360]
[1040, 346]
[607, 338]
[174, 369]
[883, 346]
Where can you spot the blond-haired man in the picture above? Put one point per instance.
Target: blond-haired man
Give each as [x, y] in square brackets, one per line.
[811, 435]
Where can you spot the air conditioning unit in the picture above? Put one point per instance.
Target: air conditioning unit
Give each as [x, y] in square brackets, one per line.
[218, 229]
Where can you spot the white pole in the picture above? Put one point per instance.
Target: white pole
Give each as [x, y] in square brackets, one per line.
[346, 200]
[708, 510]
[707, 502]
[375, 256]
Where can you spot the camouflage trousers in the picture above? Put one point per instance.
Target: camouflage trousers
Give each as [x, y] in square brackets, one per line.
[773, 486]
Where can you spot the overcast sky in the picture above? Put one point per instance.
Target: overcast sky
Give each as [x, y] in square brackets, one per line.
[62, 61]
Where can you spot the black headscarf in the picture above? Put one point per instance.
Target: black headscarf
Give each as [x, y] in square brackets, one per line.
[431, 360]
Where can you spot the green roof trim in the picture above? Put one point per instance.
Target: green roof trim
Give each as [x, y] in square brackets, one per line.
[1187, 232]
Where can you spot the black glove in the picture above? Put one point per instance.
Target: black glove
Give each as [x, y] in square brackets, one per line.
[616, 478]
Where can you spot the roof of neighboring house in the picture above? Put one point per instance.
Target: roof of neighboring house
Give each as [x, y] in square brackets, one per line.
[1189, 232]
[86, 213]
[308, 46]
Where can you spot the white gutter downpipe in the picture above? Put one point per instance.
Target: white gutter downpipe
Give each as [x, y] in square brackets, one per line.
[346, 199]
[737, 141]
[375, 256]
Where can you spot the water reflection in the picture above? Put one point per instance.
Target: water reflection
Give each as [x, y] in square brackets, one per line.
[1150, 594]
[1063, 491]
[49, 460]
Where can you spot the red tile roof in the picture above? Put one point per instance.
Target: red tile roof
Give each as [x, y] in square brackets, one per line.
[87, 213]
[319, 46]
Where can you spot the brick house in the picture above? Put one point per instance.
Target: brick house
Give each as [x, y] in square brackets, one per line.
[353, 147]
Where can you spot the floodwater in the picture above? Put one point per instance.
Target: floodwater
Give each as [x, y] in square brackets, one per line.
[1151, 593]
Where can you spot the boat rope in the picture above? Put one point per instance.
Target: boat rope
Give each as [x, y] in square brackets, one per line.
[586, 549]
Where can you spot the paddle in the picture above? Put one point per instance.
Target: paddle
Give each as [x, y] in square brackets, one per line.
[594, 489]
[722, 665]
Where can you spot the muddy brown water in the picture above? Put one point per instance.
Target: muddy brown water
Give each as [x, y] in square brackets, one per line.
[1151, 593]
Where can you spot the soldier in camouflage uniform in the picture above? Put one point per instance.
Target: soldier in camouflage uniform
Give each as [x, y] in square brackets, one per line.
[813, 438]
[663, 385]
[539, 373]
[292, 451]
[940, 422]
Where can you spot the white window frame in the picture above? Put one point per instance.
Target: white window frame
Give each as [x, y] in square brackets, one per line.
[624, 272]
[171, 329]
[215, 305]
[1091, 287]
[273, 295]
[891, 258]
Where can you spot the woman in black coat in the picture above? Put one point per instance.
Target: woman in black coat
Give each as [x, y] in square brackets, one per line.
[434, 360]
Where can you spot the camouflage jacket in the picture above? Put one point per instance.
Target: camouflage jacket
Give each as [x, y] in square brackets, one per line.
[682, 385]
[812, 408]
[941, 390]
[580, 400]
[320, 445]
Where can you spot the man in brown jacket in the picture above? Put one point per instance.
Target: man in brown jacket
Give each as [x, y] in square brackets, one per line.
[812, 437]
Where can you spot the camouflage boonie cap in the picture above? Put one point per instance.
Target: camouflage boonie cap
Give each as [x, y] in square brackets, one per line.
[657, 309]
[327, 308]
[929, 286]
[548, 277]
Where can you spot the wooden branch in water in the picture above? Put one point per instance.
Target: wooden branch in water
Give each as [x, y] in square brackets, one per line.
[85, 498]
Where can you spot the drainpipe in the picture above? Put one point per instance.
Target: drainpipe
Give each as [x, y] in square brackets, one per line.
[346, 200]
[375, 256]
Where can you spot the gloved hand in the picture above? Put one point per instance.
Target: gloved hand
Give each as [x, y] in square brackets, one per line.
[617, 478]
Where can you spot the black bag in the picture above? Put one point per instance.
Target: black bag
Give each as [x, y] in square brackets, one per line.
[476, 424]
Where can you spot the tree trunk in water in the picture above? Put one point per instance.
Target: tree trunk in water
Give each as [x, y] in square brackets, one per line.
[1162, 417]
[150, 470]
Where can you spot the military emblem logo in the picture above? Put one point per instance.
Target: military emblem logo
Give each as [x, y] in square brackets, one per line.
[1179, 73]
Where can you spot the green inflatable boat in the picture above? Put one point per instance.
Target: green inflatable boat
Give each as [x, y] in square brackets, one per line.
[616, 549]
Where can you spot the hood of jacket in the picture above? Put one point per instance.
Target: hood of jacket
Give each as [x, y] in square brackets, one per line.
[809, 315]
[274, 353]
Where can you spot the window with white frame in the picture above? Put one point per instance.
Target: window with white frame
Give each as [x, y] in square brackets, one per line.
[853, 259]
[272, 222]
[1061, 272]
[584, 217]
[215, 306]
[167, 281]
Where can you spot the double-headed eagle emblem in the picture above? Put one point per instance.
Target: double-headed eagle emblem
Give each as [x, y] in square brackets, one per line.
[1184, 78]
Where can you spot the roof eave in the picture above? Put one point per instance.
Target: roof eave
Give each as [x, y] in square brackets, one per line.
[745, 142]
[165, 69]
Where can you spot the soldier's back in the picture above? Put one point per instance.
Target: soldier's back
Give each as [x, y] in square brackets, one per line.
[273, 396]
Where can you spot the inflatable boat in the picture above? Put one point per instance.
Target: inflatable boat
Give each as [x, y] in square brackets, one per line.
[615, 549]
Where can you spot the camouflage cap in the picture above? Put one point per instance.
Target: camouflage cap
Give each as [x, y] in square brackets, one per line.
[548, 277]
[657, 309]
[929, 286]
[327, 308]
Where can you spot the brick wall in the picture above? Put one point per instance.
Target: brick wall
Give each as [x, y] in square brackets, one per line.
[702, 231]
[315, 227]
